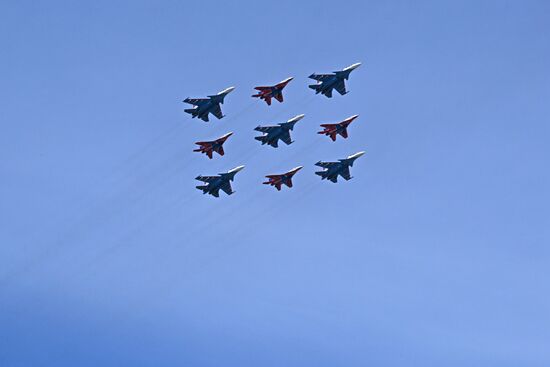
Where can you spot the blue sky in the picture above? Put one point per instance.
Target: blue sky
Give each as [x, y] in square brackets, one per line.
[436, 253]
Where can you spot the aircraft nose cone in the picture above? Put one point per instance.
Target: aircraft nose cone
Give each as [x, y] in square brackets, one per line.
[298, 168]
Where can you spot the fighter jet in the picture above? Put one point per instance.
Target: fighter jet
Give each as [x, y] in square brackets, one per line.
[333, 169]
[208, 147]
[338, 128]
[281, 131]
[215, 183]
[275, 91]
[327, 82]
[283, 178]
[204, 106]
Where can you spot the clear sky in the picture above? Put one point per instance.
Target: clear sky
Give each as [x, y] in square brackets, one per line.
[435, 254]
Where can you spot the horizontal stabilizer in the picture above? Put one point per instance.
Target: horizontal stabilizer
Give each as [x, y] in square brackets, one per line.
[192, 111]
[204, 188]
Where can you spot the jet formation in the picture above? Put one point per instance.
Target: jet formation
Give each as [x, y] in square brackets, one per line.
[272, 134]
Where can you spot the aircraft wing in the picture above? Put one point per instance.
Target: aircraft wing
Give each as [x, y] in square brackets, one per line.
[195, 101]
[274, 180]
[207, 178]
[204, 143]
[279, 97]
[261, 89]
[285, 137]
[340, 87]
[226, 187]
[345, 173]
[326, 164]
[321, 77]
[215, 193]
[266, 129]
[217, 111]
[333, 178]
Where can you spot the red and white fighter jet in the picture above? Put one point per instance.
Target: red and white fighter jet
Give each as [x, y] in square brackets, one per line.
[283, 178]
[338, 128]
[275, 91]
[208, 147]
